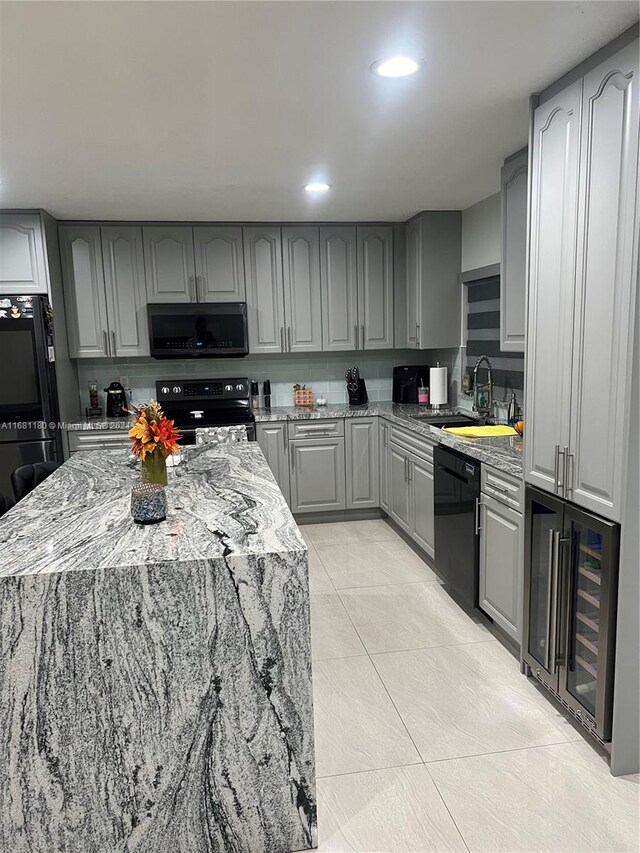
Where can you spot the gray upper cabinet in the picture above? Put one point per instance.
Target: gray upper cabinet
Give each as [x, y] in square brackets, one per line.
[375, 286]
[85, 297]
[219, 264]
[362, 463]
[317, 474]
[433, 246]
[272, 438]
[513, 267]
[413, 271]
[103, 272]
[126, 297]
[501, 554]
[605, 279]
[301, 270]
[23, 266]
[265, 292]
[169, 263]
[554, 203]
[422, 503]
[338, 265]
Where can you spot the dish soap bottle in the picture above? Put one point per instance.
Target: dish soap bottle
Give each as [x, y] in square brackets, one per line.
[512, 412]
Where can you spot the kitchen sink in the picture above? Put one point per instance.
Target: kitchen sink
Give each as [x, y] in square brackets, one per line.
[447, 420]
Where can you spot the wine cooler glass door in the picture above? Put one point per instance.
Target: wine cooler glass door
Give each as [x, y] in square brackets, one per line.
[591, 615]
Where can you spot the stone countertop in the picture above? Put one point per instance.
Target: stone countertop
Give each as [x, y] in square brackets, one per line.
[221, 501]
[155, 681]
[502, 453]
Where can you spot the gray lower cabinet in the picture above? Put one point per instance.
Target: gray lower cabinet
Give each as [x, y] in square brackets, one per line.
[265, 292]
[169, 263]
[219, 263]
[272, 438]
[362, 463]
[501, 555]
[103, 273]
[302, 303]
[513, 266]
[339, 285]
[375, 286]
[385, 478]
[23, 265]
[318, 482]
[422, 520]
[400, 486]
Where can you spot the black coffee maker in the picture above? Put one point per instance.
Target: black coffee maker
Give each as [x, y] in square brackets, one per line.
[407, 380]
[116, 401]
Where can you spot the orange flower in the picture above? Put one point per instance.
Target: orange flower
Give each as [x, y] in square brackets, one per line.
[152, 431]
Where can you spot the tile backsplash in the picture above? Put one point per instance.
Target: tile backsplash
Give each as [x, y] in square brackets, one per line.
[323, 372]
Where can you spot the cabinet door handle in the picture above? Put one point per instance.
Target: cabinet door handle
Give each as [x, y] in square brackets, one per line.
[550, 600]
[478, 527]
[200, 288]
[284, 437]
[281, 338]
[417, 336]
[385, 430]
[293, 455]
[553, 618]
[362, 336]
[565, 470]
[106, 343]
[355, 334]
[113, 341]
[409, 470]
[193, 296]
[289, 338]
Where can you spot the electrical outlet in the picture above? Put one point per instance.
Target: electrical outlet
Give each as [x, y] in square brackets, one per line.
[124, 381]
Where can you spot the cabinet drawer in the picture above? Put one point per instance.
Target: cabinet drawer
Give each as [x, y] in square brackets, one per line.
[503, 487]
[411, 441]
[316, 428]
[98, 440]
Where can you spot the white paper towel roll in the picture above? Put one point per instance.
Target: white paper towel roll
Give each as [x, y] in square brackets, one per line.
[438, 386]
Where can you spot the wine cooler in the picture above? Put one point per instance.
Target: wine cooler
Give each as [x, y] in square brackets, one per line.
[571, 572]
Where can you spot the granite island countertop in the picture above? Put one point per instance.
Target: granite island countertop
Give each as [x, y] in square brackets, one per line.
[155, 682]
[502, 453]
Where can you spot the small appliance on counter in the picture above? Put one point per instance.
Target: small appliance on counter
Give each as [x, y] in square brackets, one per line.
[93, 410]
[407, 382]
[116, 401]
[356, 387]
[266, 393]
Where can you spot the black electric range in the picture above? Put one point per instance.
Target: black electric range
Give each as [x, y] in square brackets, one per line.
[192, 404]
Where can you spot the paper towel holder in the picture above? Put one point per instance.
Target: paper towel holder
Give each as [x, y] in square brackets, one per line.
[438, 392]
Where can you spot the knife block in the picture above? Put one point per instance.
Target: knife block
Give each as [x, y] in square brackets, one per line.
[358, 397]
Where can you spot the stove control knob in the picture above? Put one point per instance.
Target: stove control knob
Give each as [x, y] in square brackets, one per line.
[228, 387]
[177, 389]
[240, 387]
[165, 389]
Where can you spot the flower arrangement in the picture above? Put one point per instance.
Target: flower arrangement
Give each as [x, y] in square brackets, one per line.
[154, 438]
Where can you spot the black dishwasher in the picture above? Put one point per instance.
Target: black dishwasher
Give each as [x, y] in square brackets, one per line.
[457, 506]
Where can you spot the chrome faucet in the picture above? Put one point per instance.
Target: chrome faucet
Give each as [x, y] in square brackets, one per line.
[485, 409]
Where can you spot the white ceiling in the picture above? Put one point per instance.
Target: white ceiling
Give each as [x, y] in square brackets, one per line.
[222, 111]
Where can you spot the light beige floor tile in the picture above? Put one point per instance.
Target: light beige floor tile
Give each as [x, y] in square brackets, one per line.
[304, 530]
[319, 580]
[409, 616]
[350, 532]
[468, 700]
[560, 799]
[356, 725]
[373, 563]
[332, 634]
[385, 810]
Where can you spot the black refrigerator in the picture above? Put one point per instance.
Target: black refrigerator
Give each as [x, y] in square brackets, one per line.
[570, 594]
[28, 400]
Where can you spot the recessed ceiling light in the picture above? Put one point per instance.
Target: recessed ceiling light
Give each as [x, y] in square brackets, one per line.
[397, 66]
[317, 187]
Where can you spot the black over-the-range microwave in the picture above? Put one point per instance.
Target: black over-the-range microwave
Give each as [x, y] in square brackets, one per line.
[207, 330]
